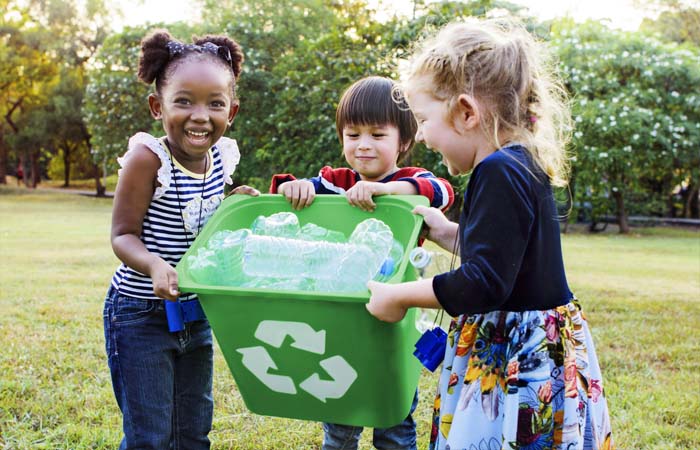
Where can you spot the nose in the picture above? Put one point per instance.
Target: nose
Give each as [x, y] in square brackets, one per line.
[419, 136]
[200, 114]
[364, 143]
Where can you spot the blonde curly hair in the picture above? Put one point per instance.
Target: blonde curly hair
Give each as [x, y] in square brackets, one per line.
[510, 75]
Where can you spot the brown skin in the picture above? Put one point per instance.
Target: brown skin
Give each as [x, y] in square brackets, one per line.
[196, 108]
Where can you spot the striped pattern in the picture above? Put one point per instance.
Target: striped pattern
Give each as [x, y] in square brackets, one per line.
[337, 181]
[163, 231]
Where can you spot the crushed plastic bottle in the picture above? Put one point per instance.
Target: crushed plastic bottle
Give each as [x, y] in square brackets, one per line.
[277, 254]
[282, 224]
[313, 232]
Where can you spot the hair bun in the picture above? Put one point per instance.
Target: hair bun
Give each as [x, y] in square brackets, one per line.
[154, 55]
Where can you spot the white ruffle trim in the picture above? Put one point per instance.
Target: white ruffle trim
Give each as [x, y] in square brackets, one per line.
[230, 156]
[228, 148]
[153, 144]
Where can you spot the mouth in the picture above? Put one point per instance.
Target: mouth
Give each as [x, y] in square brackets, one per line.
[197, 136]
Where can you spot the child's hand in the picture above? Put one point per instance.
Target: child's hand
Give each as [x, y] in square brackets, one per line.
[361, 194]
[382, 304]
[164, 278]
[246, 190]
[434, 219]
[300, 193]
[440, 229]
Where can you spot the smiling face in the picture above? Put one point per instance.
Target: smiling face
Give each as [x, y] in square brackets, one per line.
[372, 150]
[196, 107]
[456, 135]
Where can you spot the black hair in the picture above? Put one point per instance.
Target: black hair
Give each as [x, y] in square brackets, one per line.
[376, 101]
[161, 54]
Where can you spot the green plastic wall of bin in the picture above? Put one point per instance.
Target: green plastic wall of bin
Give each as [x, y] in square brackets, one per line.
[315, 355]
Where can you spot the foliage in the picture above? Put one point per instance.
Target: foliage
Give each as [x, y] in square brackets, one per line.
[637, 114]
[115, 100]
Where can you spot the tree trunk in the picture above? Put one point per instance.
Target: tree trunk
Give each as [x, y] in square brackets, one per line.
[621, 213]
[101, 189]
[35, 174]
[671, 205]
[3, 159]
[692, 203]
[66, 165]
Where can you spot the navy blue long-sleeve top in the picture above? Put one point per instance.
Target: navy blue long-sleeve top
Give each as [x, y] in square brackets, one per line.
[510, 245]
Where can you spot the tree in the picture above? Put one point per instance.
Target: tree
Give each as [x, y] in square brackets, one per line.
[50, 44]
[636, 108]
[24, 67]
[115, 100]
[677, 21]
[269, 36]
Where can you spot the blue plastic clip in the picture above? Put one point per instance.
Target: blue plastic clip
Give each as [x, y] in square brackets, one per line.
[430, 348]
[180, 313]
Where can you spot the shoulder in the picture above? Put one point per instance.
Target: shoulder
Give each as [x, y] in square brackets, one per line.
[143, 152]
[148, 159]
[338, 172]
[509, 163]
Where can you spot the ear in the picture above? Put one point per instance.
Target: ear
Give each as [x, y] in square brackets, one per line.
[155, 106]
[468, 114]
[232, 112]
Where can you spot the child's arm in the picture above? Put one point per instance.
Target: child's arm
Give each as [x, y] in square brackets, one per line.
[389, 302]
[135, 189]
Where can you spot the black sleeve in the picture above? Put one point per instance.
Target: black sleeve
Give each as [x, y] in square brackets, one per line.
[495, 234]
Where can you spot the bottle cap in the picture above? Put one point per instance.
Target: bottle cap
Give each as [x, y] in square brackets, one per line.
[387, 267]
[419, 257]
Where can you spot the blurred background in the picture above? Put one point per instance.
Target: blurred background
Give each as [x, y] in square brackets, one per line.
[70, 99]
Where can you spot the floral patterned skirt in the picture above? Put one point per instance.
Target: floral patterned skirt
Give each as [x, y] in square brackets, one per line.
[521, 380]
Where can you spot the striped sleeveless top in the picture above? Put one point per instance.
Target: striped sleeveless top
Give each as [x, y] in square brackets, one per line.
[173, 217]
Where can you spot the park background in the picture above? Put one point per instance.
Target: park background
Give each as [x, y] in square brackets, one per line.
[69, 100]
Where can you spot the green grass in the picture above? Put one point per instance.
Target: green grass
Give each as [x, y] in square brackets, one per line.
[641, 294]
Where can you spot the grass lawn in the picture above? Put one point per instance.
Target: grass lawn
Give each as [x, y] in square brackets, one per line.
[641, 294]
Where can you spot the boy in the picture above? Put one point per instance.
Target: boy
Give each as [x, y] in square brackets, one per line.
[376, 132]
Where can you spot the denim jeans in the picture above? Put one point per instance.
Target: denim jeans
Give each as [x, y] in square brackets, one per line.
[162, 381]
[398, 437]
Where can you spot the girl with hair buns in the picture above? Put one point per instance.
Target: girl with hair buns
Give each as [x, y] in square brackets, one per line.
[520, 370]
[168, 187]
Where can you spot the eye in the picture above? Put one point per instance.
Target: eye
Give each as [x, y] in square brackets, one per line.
[182, 101]
[218, 104]
[378, 135]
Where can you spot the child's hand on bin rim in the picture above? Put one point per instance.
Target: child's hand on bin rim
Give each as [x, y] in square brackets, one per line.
[383, 304]
[361, 194]
[300, 193]
[244, 189]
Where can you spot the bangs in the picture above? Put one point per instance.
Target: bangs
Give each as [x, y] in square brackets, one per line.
[373, 101]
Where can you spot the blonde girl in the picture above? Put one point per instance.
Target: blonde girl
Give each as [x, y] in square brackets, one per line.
[520, 370]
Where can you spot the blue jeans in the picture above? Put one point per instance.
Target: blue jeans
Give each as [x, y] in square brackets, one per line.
[398, 437]
[162, 381]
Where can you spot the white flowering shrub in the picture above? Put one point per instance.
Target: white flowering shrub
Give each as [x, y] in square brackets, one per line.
[636, 108]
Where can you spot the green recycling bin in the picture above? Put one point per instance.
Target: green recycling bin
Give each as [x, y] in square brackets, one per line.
[314, 355]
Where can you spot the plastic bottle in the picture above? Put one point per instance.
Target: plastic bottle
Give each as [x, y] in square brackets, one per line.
[282, 224]
[313, 232]
[325, 266]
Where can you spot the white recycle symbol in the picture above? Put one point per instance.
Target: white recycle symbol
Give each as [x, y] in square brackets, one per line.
[272, 332]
